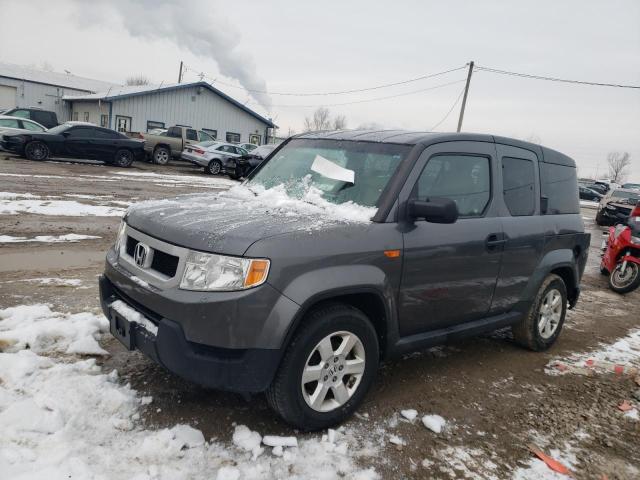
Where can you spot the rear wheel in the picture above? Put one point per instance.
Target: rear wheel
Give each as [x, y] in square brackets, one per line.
[36, 150]
[627, 280]
[327, 369]
[214, 167]
[543, 323]
[161, 155]
[123, 158]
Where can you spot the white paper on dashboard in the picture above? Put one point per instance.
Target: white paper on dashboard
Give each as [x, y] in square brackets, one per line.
[328, 169]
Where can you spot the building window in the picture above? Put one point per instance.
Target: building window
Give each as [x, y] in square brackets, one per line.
[75, 116]
[104, 121]
[152, 124]
[86, 116]
[233, 137]
[213, 133]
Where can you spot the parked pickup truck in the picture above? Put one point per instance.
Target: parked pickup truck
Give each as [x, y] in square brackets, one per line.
[161, 148]
[343, 249]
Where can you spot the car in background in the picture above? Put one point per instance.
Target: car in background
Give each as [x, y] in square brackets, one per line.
[631, 186]
[45, 118]
[245, 164]
[616, 206]
[248, 146]
[157, 131]
[588, 194]
[75, 140]
[170, 144]
[10, 124]
[214, 157]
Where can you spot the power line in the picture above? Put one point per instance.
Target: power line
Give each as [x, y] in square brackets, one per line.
[341, 92]
[372, 99]
[449, 112]
[553, 79]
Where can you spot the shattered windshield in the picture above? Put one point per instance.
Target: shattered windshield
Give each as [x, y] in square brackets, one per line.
[342, 171]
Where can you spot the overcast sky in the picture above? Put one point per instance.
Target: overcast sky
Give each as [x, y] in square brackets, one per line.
[294, 46]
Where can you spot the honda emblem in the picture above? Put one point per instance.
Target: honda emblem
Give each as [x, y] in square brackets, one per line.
[141, 255]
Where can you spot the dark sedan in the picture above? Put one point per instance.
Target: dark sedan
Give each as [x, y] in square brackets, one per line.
[245, 164]
[588, 194]
[76, 140]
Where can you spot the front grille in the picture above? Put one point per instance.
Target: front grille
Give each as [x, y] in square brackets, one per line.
[162, 262]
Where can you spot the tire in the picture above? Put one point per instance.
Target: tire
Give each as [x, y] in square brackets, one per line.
[123, 158]
[627, 283]
[36, 150]
[328, 326]
[161, 155]
[214, 167]
[531, 332]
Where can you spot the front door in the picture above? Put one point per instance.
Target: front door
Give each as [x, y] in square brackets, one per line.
[123, 124]
[78, 142]
[450, 270]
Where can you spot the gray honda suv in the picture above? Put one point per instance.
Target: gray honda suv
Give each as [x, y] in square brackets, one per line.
[341, 250]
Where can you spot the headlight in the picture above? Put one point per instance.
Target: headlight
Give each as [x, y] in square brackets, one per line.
[211, 272]
[120, 237]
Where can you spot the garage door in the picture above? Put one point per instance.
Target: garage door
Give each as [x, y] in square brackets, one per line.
[7, 97]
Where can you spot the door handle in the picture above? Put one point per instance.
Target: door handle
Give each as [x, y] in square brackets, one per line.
[495, 241]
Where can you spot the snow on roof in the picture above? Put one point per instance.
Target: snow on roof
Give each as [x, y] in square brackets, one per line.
[119, 92]
[21, 72]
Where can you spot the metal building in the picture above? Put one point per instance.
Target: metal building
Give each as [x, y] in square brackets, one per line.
[198, 105]
[29, 87]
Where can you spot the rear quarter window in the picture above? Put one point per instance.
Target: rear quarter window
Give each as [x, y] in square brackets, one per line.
[559, 183]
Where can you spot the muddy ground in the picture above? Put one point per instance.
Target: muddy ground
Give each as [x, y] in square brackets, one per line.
[495, 395]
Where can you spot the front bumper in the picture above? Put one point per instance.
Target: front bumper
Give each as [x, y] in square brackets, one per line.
[238, 370]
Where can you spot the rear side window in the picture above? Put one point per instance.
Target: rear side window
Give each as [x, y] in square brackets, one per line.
[174, 132]
[559, 184]
[518, 177]
[9, 123]
[465, 179]
[191, 134]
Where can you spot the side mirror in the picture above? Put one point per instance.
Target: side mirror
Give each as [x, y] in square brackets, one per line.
[65, 133]
[434, 210]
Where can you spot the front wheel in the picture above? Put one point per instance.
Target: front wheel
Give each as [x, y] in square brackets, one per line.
[123, 158]
[545, 318]
[625, 278]
[327, 369]
[36, 151]
[214, 167]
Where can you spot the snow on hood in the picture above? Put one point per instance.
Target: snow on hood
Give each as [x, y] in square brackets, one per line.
[229, 222]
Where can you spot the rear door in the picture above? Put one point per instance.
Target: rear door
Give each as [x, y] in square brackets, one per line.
[104, 144]
[450, 271]
[523, 227]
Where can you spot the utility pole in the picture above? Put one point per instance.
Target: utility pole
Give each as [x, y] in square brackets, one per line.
[180, 75]
[464, 98]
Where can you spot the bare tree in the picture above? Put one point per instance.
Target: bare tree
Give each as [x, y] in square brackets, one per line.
[618, 163]
[136, 80]
[340, 122]
[320, 120]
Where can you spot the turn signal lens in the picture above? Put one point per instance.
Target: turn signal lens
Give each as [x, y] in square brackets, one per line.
[392, 253]
[257, 274]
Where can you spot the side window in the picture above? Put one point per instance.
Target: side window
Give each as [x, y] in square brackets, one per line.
[9, 123]
[32, 126]
[518, 179]
[465, 179]
[81, 133]
[191, 134]
[175, 132]
[559, 184]
[21, 114]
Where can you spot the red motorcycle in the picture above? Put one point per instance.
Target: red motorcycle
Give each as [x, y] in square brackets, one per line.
[621, 257]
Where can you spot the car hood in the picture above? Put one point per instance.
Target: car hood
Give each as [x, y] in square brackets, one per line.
[225, 223]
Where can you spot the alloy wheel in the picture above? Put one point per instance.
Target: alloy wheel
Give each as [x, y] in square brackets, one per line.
[333, 371]
[623, 278]
[550, 313]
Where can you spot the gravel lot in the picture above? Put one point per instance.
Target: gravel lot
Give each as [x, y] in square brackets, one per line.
[496, 397]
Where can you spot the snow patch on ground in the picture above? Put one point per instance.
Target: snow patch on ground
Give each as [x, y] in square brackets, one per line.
[435, 423]
[536, 469]
[66, 208]
[624, 352]
[62, 417]
[70, 237]
[39, 329]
